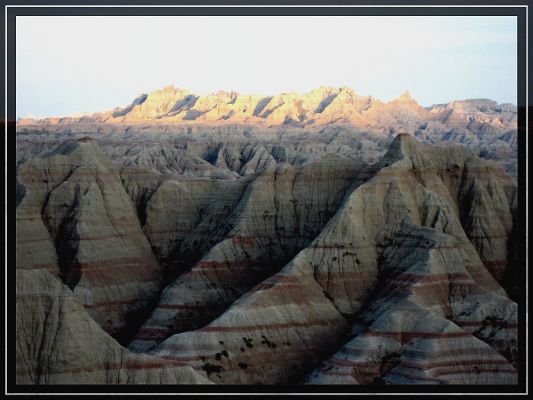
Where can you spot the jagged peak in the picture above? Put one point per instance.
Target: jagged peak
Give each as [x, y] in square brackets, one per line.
[405, 146]
[84, 147]
[347, 92]
[324, 90]
[343, 103]
[167, 91]
[406, 96]
[421, 155]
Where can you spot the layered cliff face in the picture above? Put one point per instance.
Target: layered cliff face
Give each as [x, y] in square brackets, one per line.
[283, 325]
[278, 214]
[484, 126]
[87, 232]
[320, 106]
[57, 342]
[264, 262]
[425, 321]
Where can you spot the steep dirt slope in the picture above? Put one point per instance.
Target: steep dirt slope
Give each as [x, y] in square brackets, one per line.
[83, 218]
[267, 269]
[58, 343]
[426, 320]
[285, 324]
[279, 214]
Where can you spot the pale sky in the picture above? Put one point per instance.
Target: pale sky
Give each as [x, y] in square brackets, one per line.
[68, 65]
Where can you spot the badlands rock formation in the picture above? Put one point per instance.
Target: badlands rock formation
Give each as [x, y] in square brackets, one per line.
[59, 343]
[239, 239]
[318, 107]
[279, 214]
[325, 113]
[201, 261]
[77, 221]
[402, 225]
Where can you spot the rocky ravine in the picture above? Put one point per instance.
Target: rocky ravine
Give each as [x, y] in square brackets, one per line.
[59, 343]
[258, 266]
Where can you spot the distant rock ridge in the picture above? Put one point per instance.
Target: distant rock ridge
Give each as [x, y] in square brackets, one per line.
[334, 115]
[324, 105]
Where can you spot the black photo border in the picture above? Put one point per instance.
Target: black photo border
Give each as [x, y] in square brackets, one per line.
[12, 9]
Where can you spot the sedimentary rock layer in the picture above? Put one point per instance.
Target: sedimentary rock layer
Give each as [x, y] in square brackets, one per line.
[264, 263]
[403, 225]
[84, 219]
[279, 214]
[422, 323]
[488, 128]
[58, 343]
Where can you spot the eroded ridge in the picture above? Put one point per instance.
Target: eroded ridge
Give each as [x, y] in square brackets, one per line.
[292, 319]
[279, 270]
[77, 221]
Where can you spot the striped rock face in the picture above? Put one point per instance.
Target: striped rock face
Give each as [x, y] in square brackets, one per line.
[320, 106]
[278, 214]
[426, 322]
[486, 127]
[236, 262]
[396, 257]
[59, 343]
[76, 196]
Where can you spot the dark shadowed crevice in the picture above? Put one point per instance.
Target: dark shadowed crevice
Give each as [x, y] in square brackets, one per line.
[261, 105]
[325, 102]
[138, 101]
[67, 242]
[135, 319]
